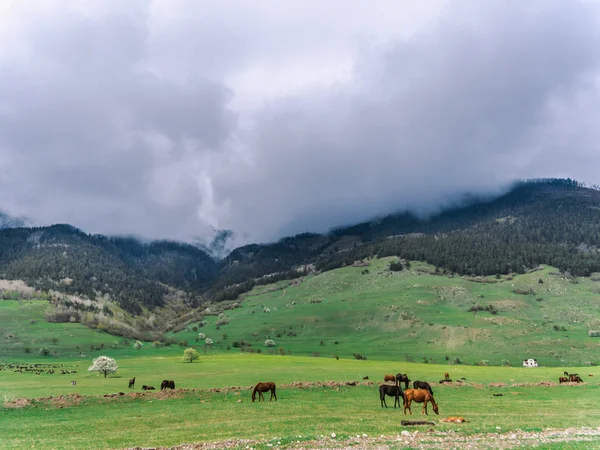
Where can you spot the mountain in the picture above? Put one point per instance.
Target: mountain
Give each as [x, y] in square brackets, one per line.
[549, 221]
[7, 221]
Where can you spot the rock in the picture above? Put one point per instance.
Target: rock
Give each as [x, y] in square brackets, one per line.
[333, 435]
[405, 433]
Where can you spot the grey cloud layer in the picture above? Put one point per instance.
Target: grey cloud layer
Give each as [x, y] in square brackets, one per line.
[124, 120]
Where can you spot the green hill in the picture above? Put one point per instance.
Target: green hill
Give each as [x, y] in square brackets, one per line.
[418, 315]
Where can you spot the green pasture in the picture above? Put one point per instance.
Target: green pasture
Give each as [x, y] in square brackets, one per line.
[417, 315]
[299, 414]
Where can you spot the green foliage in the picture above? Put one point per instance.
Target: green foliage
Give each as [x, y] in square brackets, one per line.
[269, 343]
[44, 351]
[190, 354]
[138, 345]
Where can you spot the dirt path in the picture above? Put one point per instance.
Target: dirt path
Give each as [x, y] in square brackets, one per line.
[415, 439]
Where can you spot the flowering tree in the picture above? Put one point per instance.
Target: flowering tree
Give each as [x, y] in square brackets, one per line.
[138, 345]
[269, 343]
[103, 364]
[190, 354]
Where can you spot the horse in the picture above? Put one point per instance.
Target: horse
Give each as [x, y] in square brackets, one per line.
[574, 378]
[264, 387]
[402, 377]
[423, 385]
[387, 378]
[419, 396]
[392, 391]
[167, 384]
[147, 388]
[131, 382]
[446, 376]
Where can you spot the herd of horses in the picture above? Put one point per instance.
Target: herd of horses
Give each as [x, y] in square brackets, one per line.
[570, 378]
[421, 392]
[166, 384]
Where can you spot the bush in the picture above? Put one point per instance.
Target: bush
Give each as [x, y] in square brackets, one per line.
[425, 360]
[27, 349]
[183, 343]
[201, 335]
[138, 345]
[396, 266]
[457, 360]
[269, 343]
[156, 344]
[483, 362]
[359, 356]
[208, 341]
[506, 363]
[190, 354]
[44, 351]
[594, 333]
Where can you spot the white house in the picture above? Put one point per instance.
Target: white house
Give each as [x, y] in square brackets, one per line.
[530, 362]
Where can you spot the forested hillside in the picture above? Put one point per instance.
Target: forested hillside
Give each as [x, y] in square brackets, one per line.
[551, 221]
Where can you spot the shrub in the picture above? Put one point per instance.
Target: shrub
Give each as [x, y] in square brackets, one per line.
[156, 344]
[103, 364]
[457, 360]
[201, 335]
[138, 345]
[506, 363]
[425, 360]
[27, 349]
[266, 310]
[359, 356]
[183, 343]
[269, 343]
[396, 266]
[208, 341]
[594, 333]
[484, 362]
[190, 354]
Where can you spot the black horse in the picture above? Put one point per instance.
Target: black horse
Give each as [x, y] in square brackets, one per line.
[167, 384]
[402, 377]
[423, 385]
[131, 383]
[392, 391]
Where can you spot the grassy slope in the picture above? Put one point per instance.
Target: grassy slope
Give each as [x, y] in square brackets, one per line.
[203, 416]
[388, 315]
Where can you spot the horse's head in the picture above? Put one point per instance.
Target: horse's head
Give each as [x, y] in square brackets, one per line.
[435, 409]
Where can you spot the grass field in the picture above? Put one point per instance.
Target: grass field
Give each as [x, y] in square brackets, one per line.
[416, 315]
[202, 416]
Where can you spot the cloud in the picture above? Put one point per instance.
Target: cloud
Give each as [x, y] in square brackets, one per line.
[175, 118]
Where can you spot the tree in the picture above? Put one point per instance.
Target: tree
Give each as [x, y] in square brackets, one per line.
[104, 364]
[190, 354]
[138, 345]
[44, 351]
[269, 343]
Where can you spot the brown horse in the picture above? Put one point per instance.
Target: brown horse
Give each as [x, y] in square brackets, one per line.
[419, 396]
[391, 378]
[167, 384]
[402, 378]
[446, 376]
[264, 387]
[147, 388]
[563, 380]
[574, 378]
[131, 383]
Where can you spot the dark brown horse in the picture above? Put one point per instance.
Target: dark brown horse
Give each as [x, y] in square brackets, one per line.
[419, 396]
[563, 380]
[131, 382]
[167, 384]
[423, 385]
[264, 387]
[387, 378]
[402, 378]
[574, 378]
[147, 388]
[392, 391]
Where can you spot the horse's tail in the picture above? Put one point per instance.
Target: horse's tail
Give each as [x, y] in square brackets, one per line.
[254, 392]
[430, 390]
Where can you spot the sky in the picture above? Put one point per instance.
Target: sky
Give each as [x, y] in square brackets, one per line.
[171, 119]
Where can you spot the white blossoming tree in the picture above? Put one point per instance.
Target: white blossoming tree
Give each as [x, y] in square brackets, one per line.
[138, 345]
[103, 364]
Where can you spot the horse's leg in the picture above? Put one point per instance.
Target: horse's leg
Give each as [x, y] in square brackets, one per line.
[274, 394]
[424, 410]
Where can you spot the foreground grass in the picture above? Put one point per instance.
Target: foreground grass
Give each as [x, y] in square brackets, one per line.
[205, 416]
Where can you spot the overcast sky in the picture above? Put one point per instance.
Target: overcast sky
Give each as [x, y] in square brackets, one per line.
[173, 118]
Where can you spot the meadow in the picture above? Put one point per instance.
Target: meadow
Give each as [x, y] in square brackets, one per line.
[299, 414]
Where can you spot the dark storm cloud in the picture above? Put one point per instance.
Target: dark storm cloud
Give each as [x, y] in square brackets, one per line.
[169, 119]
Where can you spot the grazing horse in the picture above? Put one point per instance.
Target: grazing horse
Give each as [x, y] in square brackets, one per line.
[402, 377]
[419, 396]
[264, 387]
[574, 378]
[131, 382]
[563, 380]
[387, 378]
[167, 384]
[446, 376]
[147, 388]
[423, 385]
[392, 391]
